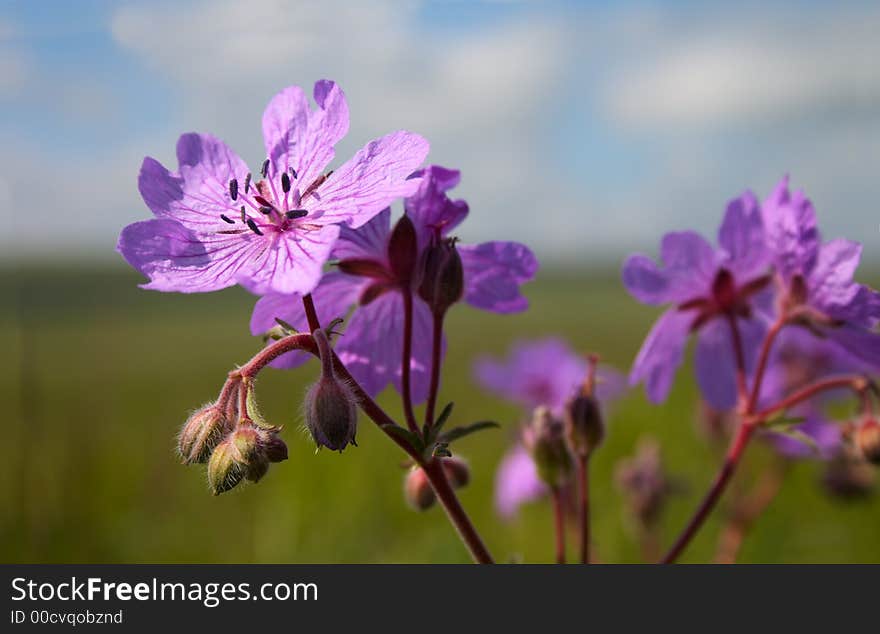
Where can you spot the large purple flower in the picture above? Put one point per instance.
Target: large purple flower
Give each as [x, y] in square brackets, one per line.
[817, 279]
[218, 225]
[545, 372]
[371, 346]
[711, 292]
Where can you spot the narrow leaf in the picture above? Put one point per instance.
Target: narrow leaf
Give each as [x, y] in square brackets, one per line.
[406, 435]
[459, 432]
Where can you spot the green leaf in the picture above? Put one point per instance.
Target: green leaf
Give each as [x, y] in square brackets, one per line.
[444, 416]
[781, 420]
[797, 434]
[285, 325]
[253, 409]
[459, 432]
[406, 435]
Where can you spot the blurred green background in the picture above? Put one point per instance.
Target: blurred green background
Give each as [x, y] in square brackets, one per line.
[101, 374]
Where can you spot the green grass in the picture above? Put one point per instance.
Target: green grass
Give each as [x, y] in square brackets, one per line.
[98, 375]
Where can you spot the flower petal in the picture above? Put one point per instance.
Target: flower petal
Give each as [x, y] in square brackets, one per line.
[332, 298]
[176, 259]
[862, 344]
[516, 482]
[715, 362]
[792, 230]
[661, 354]
[831, 285]
[372, 346]
[742, 237]
[293, 263]
[493, 273]
[646, 281]
[199, 193]
[376, 176]
[367, 242]
[430, 208]
[301, 138]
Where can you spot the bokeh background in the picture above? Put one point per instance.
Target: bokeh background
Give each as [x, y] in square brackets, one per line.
[585, 130]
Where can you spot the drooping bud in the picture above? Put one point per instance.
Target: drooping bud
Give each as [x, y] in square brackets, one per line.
[224, 471]
[417, 490]
[271, 444]
[457, 471]
[848, 476]
[330, 405]
[403, 250]
[544, 437]
[584, 426]
[203, 431]
[240, 455]
[442, 276]
[867, 439]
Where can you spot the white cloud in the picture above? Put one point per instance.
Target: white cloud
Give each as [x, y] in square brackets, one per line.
[734, 70]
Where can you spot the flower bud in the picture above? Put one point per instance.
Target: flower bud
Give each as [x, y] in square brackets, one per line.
[330, 405]
[868, 440]
[457, 471]
[848, 476]
[403, 250]
[240, 455]
[442, 276]
[545, 440]
[272, 446]
[203, 431]
[644, 483]
[584, 426]
[417, 490]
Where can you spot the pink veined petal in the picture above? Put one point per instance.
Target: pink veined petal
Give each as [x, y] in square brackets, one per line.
[199, 193]
[369, 241]
[176, 259]
[376, 176]
[661, 354]
[493, 273]
[293, 263]
[516, 482]
[297, 136]
[831, 280]
[372, 346]
[333, 297]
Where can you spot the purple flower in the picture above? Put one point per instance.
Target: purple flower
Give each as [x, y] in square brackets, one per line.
[544, 372]
[710, 290]
[541, 373]
[818, 290]
[218, 225]
[372, 344]
[517, 482]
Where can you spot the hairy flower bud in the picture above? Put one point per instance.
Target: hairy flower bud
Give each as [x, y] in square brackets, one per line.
[224, 471]
[545, 440]
[330, 405]
[240, 455]
[442, 276]
[457, 471]
[203, 431]
[271, 445]
[584, 426]
[417, 490]
[867, 439]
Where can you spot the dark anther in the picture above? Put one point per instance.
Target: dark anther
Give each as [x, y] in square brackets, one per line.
[285, 182]
[225, 218]
[265, 169]
[262, 201]
[233, 189]
[293, 214]
[243, 214]
[265, 210]
[247, 183]
[253, 227]
[293, 173]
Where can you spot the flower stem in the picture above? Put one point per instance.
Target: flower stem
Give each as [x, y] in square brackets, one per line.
[734, 454]
[559, 524]
[584, 515]
[460, 520]
[741, 387]
[406, 362]
[763, 357]
[311, 313]
[436, 352]
[856, 382]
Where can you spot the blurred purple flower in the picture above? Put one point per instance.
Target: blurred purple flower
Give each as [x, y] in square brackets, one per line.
[217, 226]
[372, 344]
[517, 482]
[544, 372]
[817, 278]
[709, 291]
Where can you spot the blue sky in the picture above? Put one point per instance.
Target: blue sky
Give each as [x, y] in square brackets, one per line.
[584, 129]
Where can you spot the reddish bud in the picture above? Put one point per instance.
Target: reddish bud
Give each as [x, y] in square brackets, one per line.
[417, 490]
[457, 471]
[330, 405]
[403, 250]
[442, 276]
[867, 439]
[203, 431]
[584, 426]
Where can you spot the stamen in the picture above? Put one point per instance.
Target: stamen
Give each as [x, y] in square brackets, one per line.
[266, 210]
[233, 189]
[265, 169]
[253, 227]
[225, 218]
[315, 185]
[293, 173]
[247, 183]
[243, 215]
[293, 214]
[285, 182]
[263, 201]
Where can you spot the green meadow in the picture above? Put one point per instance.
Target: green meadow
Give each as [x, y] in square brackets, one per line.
[98, 375]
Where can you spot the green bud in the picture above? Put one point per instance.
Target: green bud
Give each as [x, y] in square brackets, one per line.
[584, 427]
[224, 470]
[545, 440]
